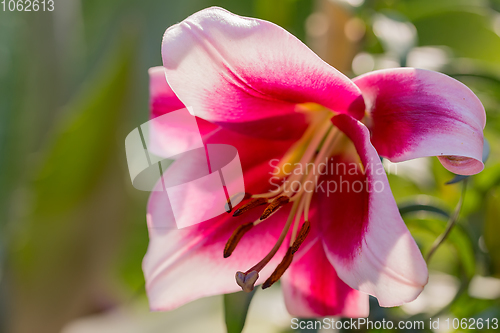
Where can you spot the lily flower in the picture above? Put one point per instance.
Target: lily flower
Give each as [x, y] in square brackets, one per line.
[294, 120]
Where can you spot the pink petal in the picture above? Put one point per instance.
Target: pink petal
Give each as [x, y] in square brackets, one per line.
[416, 113]
[312, 288]
[165, 137]
[187, 264]
[162, 99]
[233, 69]
[364, 235]
[193, 179]
[251, 150]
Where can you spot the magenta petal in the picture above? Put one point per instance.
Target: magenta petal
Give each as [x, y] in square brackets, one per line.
[251, 150]
[187, 264]
[312, 288]
[183, 265]
[233, 69]
[364, 236]
[162, 99]
[169, 135]
[418, 113]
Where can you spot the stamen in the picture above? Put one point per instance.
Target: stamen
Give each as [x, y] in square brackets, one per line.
[259, 221]
[306, 157]
[326, 149]
[309, 153]
[251, 205]
[247, 280]
[288, 258]
[280, 270]
[304, 231]
[297, 220]
[307, 140]
[316, 146]
[229, 205]
[236, 237]
[270, 194]
[275, 204]
[307, 206]
[239, 233]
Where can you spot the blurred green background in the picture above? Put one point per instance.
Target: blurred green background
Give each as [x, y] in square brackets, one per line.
[73, 84]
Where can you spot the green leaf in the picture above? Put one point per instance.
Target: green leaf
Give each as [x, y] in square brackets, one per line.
[414, 207]
[79, 201]
[235, 309]
[289, 14]
[492, 229]
[85, 139]
[422, 8]
[475, 39]
[458, 239]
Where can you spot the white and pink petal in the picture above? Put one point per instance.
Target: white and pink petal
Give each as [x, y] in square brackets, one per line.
[312, 288]
[416, 113]
[235, 71]
[182, 265]
[364, 236]
[172, 129]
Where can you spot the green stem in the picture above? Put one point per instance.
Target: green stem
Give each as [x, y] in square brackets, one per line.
[451, 223]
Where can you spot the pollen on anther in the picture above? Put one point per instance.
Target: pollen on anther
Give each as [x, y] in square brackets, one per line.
[280, 270]
[301, 236]
[236, 237]
[250, 205]
[274, 205]
[229, 203]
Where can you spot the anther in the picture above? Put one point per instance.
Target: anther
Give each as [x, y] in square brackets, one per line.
[229, 205]
[274, 205]
[247, 280]
[304, 230]
[282, 267]
[236, 237]
[287, 260]
[252, 204]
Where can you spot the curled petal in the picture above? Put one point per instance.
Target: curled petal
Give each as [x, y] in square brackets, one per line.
[416, 113]
[235, 71]
[363, 233]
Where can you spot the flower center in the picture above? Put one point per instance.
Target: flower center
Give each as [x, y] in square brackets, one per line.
[311, 151]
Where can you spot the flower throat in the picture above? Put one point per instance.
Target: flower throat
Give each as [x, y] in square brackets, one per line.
[316, 144]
